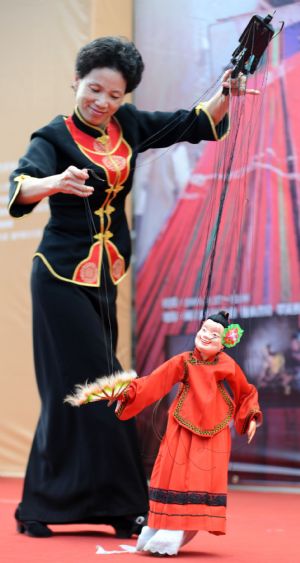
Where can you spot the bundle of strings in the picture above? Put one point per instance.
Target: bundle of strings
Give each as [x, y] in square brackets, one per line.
[226, 219]
[201, 255]
[108, 388]
[219, 203]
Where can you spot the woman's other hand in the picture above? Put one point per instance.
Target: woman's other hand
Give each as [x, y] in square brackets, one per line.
[72, 181]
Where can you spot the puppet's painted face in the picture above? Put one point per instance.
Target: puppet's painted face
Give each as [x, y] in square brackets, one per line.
[208, 339]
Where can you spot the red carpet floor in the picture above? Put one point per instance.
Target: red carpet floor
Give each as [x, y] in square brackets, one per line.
[262, 528]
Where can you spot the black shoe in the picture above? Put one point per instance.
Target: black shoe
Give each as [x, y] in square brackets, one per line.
[138, 524]
[126, 528]
[32, 528]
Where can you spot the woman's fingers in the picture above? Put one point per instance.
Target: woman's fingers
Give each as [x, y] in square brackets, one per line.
[252, 91]
[81, 174]
[80, 190]
[72, 181]
[237, 86]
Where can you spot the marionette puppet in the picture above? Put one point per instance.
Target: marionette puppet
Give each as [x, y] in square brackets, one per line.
[188, 485]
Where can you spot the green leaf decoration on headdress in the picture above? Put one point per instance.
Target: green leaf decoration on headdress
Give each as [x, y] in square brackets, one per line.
[232, 335]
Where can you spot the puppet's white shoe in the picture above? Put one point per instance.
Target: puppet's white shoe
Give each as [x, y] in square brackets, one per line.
[145, 535]
[165, 542]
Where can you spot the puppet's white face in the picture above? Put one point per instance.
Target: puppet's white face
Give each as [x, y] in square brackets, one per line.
[208, 339]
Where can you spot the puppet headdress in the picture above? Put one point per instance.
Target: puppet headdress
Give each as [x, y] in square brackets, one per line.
[232, 333]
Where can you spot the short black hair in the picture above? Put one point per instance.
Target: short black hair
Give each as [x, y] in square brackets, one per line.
[117, 53]
[222, 317]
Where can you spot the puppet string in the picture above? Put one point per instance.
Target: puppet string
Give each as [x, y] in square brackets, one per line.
[108, 341]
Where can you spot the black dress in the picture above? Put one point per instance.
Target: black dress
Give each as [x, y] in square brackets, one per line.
[85, 464]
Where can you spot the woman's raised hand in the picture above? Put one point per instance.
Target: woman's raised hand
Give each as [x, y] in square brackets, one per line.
[237, 86]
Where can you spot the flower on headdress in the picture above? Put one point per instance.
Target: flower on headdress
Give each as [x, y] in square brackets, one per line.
[232, 335]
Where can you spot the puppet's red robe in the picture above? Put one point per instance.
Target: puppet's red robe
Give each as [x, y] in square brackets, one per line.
[188, 486]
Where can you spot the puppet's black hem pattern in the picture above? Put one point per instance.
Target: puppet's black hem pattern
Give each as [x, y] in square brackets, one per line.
[166, 496]
[184, 515]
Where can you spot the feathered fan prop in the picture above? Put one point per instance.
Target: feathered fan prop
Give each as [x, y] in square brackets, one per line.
[107, 388]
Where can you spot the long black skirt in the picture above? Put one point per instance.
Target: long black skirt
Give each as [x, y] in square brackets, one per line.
[84, 464]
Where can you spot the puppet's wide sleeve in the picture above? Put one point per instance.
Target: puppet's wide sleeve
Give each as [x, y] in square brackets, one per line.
[144, 391]
[246, 401]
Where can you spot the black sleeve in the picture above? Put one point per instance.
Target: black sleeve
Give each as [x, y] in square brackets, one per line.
[162, 129]
[39, 161]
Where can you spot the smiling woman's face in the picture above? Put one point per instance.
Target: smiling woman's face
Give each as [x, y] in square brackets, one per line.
[99, 95]
[208, 339]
